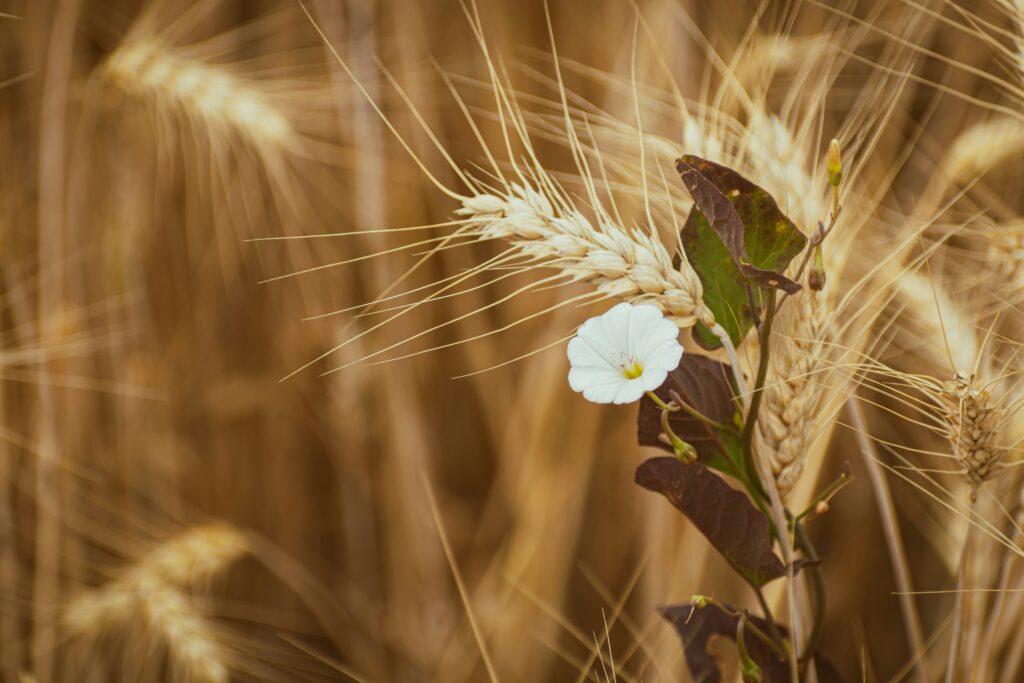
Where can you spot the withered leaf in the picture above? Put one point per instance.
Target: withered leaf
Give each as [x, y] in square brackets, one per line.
[697, 627]
[724, 515]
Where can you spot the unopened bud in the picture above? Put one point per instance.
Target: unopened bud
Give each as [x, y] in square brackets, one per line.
[699, 601]
[816, 276]
[821, 508]
[835, 164]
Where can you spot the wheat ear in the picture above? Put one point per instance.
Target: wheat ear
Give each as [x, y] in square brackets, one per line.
[984, 146]
[182, 560]
[189, 637]
[791, 406]
[623, 264]
[199, 91]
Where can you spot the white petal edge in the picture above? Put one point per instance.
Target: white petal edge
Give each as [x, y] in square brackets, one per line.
[580, 379]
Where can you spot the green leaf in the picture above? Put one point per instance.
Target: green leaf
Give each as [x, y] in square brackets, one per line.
[724, 515]
[706, 386]
[735, 236]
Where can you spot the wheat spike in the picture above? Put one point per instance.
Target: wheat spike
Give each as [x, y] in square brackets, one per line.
[97, 610]
[188, 636]
[792, 403]
[984, 146]
[200, 91]
[148, 586]
[1005, 255]
[195, 554]
[622, 264]
[974, 421]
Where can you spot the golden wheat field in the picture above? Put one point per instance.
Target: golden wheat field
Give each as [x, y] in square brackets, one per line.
[352, 340]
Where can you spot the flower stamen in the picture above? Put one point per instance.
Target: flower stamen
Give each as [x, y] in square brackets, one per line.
[632, 371]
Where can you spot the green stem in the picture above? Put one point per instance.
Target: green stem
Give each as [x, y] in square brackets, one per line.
[658, 402]
[773, 628]
[683, 405]
[747, 436]
[825, 496]
[774, 642]
[803, 542]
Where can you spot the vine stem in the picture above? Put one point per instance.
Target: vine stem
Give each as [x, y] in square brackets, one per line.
[817, 582]
[773, 628]
[772, 641]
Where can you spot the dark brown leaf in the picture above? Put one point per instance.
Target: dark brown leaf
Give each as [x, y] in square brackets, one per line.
[713, 203]
[724, 515]
[698, 626]
[706, 386]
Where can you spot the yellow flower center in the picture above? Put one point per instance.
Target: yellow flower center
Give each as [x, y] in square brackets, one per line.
[633, 371]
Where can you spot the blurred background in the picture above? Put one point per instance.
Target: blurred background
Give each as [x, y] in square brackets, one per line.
[165, 408]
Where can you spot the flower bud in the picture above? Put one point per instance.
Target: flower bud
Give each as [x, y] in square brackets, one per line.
[816, 276]
[835, 164]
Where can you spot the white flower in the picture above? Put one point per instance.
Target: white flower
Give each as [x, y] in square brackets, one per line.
[621, 354]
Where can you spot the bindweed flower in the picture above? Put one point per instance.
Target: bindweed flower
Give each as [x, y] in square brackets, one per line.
[628, 350]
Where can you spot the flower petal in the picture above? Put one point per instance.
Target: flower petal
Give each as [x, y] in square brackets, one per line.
[664, 357]
[583, 354]
[653, 378]
[582, 378]
[629, 391]
[658, 334]
[594, 335]
[602, 393]
[615, 324]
